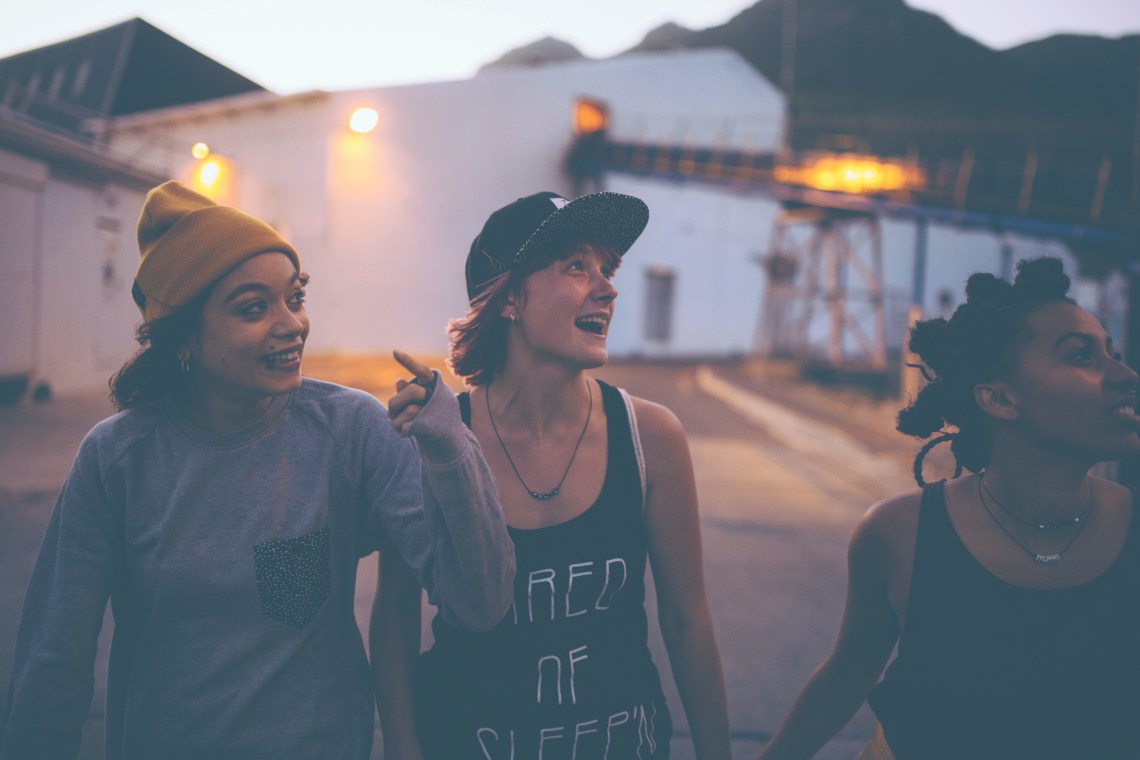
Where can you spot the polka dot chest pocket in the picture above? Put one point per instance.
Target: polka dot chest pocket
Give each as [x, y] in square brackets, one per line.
[293, 578]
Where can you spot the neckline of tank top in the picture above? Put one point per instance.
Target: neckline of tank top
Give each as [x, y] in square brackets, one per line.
[1133, 534]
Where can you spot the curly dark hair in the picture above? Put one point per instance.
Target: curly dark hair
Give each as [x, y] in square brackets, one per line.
[979, 343]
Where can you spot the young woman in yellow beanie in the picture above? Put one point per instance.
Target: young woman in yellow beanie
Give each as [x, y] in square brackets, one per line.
[223, 512]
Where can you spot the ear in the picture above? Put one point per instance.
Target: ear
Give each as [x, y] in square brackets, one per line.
[186, 351]
[510, 310]
[997, 400]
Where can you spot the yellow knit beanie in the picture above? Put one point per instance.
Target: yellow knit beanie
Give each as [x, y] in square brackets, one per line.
[187, 242]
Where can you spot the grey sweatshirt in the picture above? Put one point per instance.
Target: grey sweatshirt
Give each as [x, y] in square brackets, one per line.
[230, 562]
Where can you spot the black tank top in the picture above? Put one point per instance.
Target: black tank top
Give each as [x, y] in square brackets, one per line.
[988, 670]
[567, 673]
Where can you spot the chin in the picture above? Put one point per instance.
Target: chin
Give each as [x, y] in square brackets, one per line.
[595, 359]
[283, 386]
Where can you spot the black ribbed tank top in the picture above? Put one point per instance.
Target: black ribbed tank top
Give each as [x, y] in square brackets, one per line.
[567, 673]
[986, 669]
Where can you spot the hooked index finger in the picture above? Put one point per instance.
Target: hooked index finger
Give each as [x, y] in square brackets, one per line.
[422, 372]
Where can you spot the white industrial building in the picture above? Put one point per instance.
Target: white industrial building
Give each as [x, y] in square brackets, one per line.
[384, 220]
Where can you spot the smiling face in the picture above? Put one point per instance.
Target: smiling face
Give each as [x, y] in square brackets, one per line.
[251, 335]
[1070, 389]
[565, 308]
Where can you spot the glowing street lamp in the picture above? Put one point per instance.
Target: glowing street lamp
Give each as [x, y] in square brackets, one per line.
[363, 120]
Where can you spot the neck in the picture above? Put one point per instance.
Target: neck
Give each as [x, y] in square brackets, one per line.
[1038, 491]
[538, 400]
[221, 413]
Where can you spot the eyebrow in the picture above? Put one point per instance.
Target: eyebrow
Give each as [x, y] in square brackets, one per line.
[253, 287]
[1088, 337]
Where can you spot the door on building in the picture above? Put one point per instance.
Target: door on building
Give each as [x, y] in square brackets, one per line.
[18, 273]
[660, 284]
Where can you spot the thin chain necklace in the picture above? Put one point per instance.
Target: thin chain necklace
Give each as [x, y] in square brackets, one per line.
[541, 495]
[1044, 559]
[1068, 522]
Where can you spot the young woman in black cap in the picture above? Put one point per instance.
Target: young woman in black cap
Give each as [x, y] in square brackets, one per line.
[592, 483]
[224, 511]
[1013, 593]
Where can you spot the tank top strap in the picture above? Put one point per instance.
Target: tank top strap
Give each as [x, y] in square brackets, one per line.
[1129, 559]
[465, 407]
[623, 445]
[937, 549]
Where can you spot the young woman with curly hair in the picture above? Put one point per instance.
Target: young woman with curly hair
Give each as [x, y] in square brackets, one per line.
[1013, 591]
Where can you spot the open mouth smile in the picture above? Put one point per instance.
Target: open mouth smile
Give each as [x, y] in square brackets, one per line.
[594, 323]
[1126, 410]
[287, 360]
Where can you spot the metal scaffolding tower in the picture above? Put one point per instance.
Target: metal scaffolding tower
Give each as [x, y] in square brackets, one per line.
[831, 260]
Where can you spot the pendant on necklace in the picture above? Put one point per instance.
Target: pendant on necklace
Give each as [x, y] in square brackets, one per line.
[544, 496]
[1045, 559]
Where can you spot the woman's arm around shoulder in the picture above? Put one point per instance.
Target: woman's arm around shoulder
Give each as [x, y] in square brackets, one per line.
[878, 572]
[673, 527]
[470, 574]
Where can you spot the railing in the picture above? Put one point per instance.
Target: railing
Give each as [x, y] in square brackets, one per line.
[1074, 200]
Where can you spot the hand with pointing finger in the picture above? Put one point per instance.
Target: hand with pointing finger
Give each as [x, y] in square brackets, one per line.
[411, 395]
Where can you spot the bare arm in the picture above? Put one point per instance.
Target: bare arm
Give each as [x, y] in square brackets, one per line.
[394, 644]
[866, 637]
[673, 526]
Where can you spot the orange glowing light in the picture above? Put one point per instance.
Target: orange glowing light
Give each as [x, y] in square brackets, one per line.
[214, 178]
[363, 120]
[590, 116]
[200, 150]
[849, 173]
[208, 173]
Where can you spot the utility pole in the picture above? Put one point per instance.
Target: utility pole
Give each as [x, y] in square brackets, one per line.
[788, 68]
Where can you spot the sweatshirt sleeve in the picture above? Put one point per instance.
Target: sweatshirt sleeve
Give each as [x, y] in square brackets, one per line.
[53, 669]
[456, 539]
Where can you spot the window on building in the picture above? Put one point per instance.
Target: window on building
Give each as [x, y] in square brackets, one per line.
[56, 82]
[660, 284]
[82, 72]
[31, 90]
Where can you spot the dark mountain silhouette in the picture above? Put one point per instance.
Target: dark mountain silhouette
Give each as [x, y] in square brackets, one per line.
[546, 50]
[881, 76]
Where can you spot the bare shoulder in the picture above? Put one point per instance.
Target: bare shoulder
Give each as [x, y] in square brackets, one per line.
[651, 415]
[668, 462]
[886, 533]
[1116, 502]
[1113, 492]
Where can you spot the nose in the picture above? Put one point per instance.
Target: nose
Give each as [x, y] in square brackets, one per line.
[290, 323]
[605, 291]
[1122, 374]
